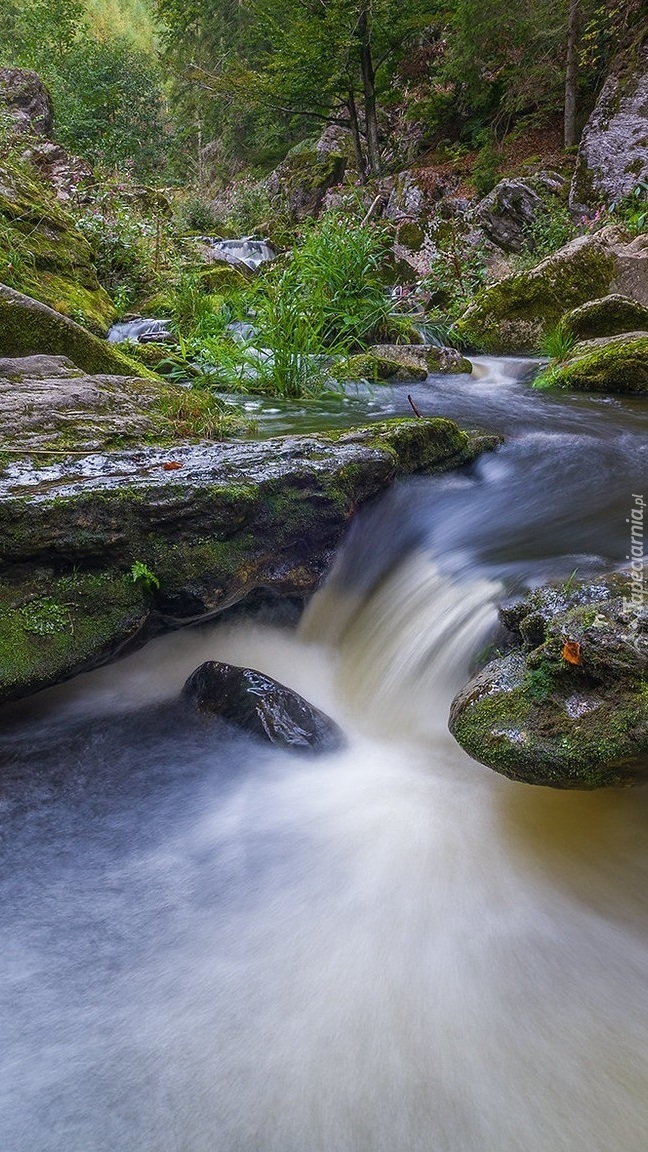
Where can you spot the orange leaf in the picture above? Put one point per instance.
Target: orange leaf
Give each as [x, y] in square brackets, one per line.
[171, 465]
[572, 652]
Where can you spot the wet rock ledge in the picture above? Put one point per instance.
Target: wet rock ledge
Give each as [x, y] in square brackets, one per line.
[205, 526]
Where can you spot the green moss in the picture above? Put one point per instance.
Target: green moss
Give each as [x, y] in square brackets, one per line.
[27, 327]
[43, 255]
[513, 314]
[620, 364]
[51, 628]
[610, 316]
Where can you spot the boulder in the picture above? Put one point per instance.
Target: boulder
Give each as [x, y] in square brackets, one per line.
[28, 327]
[613, 152]
[513, 314]
[303, 178]
[609, 316]
[42, 254]
[47, 403]
[568, 707]
[213, 522]
[261, 706]
[508, 212]
[609, 364]
[409, 361]
[26, 101]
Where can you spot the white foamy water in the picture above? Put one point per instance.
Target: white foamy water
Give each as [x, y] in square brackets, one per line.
[213, 946]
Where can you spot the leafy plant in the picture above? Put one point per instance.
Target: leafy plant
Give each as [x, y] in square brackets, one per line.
[141, 574]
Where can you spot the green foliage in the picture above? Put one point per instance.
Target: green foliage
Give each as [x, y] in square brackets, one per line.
[485, 173]
[129, 246]
[109, 107]
[141, 574]
[550, 230]
[557, 344]
[457, 270]
[632, 210]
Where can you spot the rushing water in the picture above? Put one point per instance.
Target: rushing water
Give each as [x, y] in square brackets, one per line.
[209, 946]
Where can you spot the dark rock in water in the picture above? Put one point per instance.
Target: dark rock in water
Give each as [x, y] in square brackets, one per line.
[568, 708]
[261, 706]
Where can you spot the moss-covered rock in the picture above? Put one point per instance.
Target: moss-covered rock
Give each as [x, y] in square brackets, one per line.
[43, 255]
[403, 362]
[305, 175]
[568, 708]
[29, 327]
[213, 523]
[513, 314]
[53, 626]
[610, 364]
[609, 316]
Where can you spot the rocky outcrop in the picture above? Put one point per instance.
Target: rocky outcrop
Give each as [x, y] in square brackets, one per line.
[507, 213]
[568, 707]
[29, 327]
[303, 178]
[47, 403]
[42, 254]
[609, 316]
[211, 522]
[404, 362]
[513, 314]
[26, 101]
[613, 153]
[261, 706]
[68, 175]
[609, 364]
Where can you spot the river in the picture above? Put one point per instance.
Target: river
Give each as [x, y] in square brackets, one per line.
[210, 946]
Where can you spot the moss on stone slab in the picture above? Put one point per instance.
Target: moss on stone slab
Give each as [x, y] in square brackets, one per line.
[618, 364]
[29, 327]
[513, 314]
[53, 626]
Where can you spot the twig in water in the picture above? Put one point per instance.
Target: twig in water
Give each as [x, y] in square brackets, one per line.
[413, 407]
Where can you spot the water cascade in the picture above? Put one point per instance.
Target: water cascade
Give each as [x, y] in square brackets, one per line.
[208, 944]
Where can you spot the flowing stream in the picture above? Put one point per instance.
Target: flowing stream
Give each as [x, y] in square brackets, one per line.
[210, 946]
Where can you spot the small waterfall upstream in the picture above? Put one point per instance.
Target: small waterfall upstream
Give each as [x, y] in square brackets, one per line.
[212, 945]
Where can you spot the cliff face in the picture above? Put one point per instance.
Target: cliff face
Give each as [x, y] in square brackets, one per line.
[613, 154]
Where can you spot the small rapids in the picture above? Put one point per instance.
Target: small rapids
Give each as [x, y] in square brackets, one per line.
[212, 946]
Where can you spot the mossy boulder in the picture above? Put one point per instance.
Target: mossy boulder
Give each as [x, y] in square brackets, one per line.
[609, 316]
[43, 255]
[25, 102]
[213, 523]
[303, 178]
[403, 362]
[29, 327]
[568, 707]
[513, 314]
[610, 364]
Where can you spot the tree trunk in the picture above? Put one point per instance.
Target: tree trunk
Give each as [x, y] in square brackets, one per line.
[571, 76]
[355, 134]
[369, 86]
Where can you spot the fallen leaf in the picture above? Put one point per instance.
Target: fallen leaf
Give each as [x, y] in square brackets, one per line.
[171, 465]
[572, 652]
